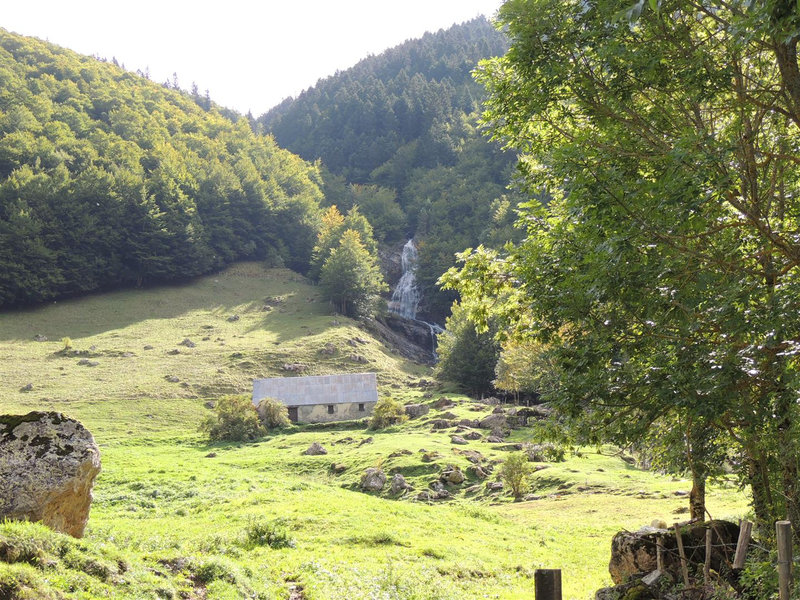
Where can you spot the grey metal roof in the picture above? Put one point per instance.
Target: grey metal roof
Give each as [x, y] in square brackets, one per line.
[318, 389]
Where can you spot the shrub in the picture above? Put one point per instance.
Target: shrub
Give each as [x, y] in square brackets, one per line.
[515, 473]
[547, 452]
[235, 420]
[273, 534]
[388, 411]
[273, 413]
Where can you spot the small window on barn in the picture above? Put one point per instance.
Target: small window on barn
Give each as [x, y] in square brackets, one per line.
[361, 407]
[330, 409]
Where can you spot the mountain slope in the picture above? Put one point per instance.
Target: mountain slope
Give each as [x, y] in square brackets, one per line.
[108, 179]
[398, 135]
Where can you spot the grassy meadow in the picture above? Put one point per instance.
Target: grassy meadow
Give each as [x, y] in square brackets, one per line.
[176, 517]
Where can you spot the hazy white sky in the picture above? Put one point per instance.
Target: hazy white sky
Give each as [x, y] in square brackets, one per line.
[248, 54]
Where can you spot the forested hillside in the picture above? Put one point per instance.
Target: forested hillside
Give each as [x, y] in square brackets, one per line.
[108, 179]
[397, 134]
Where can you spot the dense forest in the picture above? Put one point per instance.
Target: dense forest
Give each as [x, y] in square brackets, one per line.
[398, 135]
[108, 179]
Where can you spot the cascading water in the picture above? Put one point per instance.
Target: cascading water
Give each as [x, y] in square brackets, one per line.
[406, 296]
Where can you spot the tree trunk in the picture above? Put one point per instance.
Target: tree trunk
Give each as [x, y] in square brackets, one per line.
[697, 497]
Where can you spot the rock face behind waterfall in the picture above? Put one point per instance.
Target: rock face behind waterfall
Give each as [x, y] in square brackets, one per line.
[48, 463]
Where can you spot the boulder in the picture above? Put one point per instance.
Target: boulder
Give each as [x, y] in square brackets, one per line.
[472, 435]
[494, 421]
[338, 468]
[417, 410]
[452, 474]
[373, 480]
[443, 402]
[635, 553]
[493, 439]
[442, 424]
[494, 486]
[399, 483]
[455, 439]
[315, 449]
[48, 463]
[477, 472]
[188, 343]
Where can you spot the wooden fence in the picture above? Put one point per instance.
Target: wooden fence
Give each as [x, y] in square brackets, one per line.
[547, 582]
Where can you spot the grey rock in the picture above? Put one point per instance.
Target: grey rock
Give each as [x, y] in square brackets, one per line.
[26, 388]
[373, 480]
[315, 449]
[417, 410]
[188, 343]
[172, 378]
[494, 421]
[452, 474]
[493, 439]
[48, 463]
[399, 484]
[233, 318]
[494, 486]
[472, 435]
[455, 439]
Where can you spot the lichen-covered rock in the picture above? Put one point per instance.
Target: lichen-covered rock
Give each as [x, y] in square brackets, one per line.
[48, 463]
[635, 553]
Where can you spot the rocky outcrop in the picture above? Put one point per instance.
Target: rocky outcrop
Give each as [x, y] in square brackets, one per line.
[48, 463]
[398, 342]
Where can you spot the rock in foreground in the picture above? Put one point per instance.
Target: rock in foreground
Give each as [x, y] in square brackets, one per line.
[48, 463]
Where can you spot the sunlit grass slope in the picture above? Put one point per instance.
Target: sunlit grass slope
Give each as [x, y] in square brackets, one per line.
[175, 517]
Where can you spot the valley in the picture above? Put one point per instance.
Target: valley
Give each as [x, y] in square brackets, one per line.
[183, 516]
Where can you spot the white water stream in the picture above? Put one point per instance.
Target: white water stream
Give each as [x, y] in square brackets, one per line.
[406, 295]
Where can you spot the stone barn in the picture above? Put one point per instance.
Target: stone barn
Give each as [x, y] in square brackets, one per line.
[321, 398]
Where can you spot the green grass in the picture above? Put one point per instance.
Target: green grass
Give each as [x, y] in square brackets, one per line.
[175, 517]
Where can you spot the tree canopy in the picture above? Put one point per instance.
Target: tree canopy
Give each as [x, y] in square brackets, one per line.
[663, 272]
[108, 179]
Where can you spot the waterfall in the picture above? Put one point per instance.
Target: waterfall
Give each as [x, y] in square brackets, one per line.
[405, 296]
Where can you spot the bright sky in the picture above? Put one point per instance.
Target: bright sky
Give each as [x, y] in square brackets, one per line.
[249, 54]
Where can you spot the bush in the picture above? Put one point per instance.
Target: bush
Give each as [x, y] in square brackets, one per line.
[273, 413]
[388, 411]
[515, 474]
[236, 420]
[273, 534]
[546, 452]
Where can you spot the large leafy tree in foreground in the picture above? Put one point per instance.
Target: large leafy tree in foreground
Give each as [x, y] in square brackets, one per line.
[663, 274]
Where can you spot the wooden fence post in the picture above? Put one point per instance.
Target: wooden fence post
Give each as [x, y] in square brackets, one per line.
[660, 554]
[547, 584]
[682, 554]
[745, 529]
[783, 531]
[707, 563]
